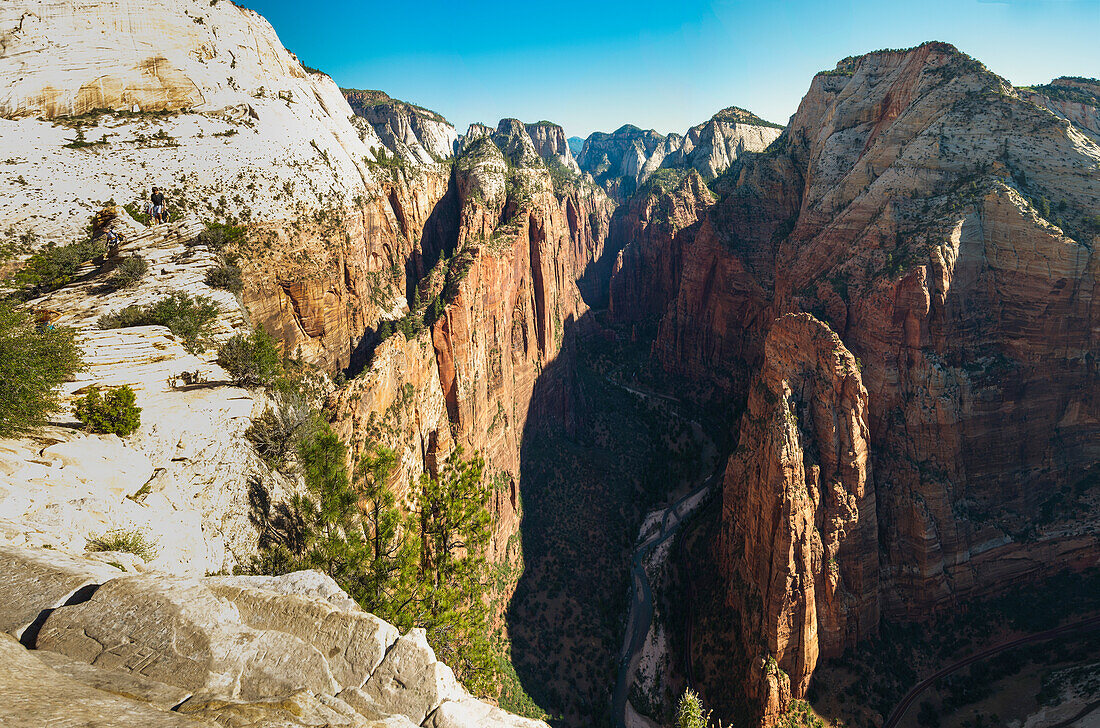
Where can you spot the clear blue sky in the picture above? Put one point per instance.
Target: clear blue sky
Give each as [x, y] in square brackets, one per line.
[664, 65]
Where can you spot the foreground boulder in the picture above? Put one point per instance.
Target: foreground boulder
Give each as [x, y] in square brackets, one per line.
[291, 651]
[36, 695]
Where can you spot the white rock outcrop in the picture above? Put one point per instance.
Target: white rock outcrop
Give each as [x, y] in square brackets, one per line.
[218, 649]
[182, 478]
[205, 103]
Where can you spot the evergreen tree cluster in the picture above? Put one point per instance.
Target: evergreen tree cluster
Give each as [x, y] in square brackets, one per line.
[422, 565]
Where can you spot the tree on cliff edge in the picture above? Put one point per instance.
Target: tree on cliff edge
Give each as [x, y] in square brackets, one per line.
[454, 529]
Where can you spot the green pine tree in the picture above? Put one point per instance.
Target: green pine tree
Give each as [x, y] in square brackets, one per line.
[454, 532]
[386, 587]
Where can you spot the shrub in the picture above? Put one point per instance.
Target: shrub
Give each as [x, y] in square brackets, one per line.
[218, 236]
[114, 413]
[190, 318]
[690, 713]
[55, 266]
[276, 432]
[225, 276]
[129, 273]
[138, 213]
[33, 362]
[251, 359]
[133, 542]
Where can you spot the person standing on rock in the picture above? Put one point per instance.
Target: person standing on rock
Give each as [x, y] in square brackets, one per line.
[157, 200]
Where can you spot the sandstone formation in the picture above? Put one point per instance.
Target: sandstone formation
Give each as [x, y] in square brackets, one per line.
[943, 227]
[351, 215]
[799, 508]
[1072, 98]
[181, 479]
[151, 649]
[632, 154]
[412, 132]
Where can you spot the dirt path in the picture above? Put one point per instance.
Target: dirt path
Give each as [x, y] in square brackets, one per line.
[899, 712]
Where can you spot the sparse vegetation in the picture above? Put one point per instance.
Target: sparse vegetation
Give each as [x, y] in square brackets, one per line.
[129, 272]
[55, 266]
[218, 236]
[137, 212]
[120, 539]
[112, 414]
[251, 359]
[276, 432]
[34, 361]
[226, 276]
[190, 318]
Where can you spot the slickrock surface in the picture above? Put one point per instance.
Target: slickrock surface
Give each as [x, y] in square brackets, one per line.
[181, 479]
[218, 650]
[37, 695]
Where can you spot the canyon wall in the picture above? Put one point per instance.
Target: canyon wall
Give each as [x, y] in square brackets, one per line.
[624, 159]
[358, 218]
[943, 226]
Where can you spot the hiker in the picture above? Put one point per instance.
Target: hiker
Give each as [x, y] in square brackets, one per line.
[157, 206]
[113, 239]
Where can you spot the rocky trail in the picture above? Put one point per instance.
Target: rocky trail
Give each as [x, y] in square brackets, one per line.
[906, 702]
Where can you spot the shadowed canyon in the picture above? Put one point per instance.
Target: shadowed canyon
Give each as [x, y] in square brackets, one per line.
[795, 417]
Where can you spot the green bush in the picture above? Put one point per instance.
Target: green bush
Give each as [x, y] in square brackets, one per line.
[33, 362]
[114, 413]
[138, 213]
[225, 276]
[251, 359]
[218, 236]
[132, 542]
[690, 713]
[55, 266]
[129, 272]
[190, 318]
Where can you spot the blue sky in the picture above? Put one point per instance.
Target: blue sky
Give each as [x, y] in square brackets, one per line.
[593, 66]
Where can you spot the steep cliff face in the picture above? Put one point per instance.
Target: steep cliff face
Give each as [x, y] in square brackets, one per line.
[1070, 97]
[650, 232]
[944, 227]
[353, 219]
[632, 154]
[799, 515]
[551, 144]
[412, 132]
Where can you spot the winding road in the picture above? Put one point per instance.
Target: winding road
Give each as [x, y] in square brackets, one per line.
[899, 712]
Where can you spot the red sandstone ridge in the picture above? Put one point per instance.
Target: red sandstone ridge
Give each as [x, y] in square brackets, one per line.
[506, 277]
[943, 226]
[798, 510]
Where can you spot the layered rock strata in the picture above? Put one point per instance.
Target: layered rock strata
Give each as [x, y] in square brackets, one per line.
[942, 225]
[710, 148]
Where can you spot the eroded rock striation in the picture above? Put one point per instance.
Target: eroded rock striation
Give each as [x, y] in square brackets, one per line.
[630, 155]
[908, 206]
[147, 649]
[801, 531]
